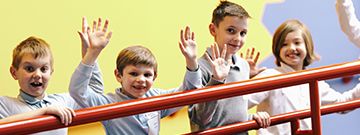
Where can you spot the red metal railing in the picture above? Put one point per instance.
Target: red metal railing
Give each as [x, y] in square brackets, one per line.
[138, 106]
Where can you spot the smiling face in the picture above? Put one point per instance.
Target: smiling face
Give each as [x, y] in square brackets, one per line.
[293, 51]
[33, 75]
[136, 80]
[232, 32]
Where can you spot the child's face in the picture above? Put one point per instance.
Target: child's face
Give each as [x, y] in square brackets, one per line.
[231, 31]
[293, 51]
[33, 75]
[136, 80]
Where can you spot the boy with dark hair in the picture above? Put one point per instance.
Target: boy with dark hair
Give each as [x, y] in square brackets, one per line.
[229, 28]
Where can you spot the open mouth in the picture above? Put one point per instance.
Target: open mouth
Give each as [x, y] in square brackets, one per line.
[36, 84]
[293, 55]
[139, 87]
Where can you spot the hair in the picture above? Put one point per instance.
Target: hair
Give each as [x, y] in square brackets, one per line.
[135, 55]
[34, 46]
[283, 30]
[226, 8]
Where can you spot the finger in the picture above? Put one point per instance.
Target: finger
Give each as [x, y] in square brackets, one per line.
[67, 116]
[182, 49]
[106, 25]
[88, 30]
[224, 52]
[252, 53]
[217, 52]
[256, 57]
[94, 26]
[82, 37]
[213, 52]
[84, 24]
[193, 36]
[182, 38]
[241, 55]
[187, 33]
[99, 24]
[247, 53]
[208, 58]
[109, 35]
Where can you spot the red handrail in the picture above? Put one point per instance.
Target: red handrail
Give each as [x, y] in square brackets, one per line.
[278, 119]
[138, 106]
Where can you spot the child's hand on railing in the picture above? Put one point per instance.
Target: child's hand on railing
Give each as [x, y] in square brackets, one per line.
[262, 118]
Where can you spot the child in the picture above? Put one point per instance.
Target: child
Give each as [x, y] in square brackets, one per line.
[136, 71]
[294, 50]
[349, 24]
[229, 27]
[32, 66]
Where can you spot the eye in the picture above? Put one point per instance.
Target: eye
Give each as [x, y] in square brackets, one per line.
[243, 33]
[29, 69]
[231, 31]
[133, 74]
[284, 44]
[43, 69]
[148, 75]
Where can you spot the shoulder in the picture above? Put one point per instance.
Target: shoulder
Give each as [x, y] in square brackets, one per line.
[268, 72]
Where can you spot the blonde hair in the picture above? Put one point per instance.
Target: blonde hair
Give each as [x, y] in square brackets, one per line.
[135, 55]
[34, 46]
[283, 30]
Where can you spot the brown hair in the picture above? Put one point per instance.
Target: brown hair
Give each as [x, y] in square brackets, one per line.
[226, 8]
[135, 55]
[34, 46]
[281, 33]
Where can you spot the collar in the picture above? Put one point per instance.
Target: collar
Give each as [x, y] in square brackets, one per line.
[123, 96]
[286, 68]
[26, 98]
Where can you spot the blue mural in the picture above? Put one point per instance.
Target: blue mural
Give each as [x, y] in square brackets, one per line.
[330, 43]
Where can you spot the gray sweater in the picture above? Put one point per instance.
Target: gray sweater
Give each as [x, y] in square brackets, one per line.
[225, 111]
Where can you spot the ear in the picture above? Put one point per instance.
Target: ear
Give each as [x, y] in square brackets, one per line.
[117, 75]
[13, 72]
[155, 77]
[52, 71]
[212, 29]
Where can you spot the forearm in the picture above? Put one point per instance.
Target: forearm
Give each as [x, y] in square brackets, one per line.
[26, 115]
[202, 113]
[349, 23]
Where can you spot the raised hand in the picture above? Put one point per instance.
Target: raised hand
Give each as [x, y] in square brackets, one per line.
[64, 113]
[84, 37]
[97, 36]
[188, 47]
[262, 118]
[219, 69]
[253, 62]
[97, 39]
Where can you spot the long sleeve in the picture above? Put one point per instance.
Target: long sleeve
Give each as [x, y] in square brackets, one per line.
[84, 94]
[349, 24]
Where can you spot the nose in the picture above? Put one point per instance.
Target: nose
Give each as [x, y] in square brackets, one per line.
[140, 79]
[237, 37]
[292, 46]
[37, 74]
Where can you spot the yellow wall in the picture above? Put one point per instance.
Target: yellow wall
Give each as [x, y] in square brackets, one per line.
[154, 24]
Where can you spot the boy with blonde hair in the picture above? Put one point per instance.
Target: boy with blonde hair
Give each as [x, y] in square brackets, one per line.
[32, 66]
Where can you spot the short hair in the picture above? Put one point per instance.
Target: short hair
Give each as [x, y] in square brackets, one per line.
[283, 30]
[135, 55]
[34, 46]
[226, 8]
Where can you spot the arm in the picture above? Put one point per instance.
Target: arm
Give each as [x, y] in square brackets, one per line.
[253, 63]
[64, 113]
[96, 81]
[80, 83]
[349, 24]
[202, 113]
